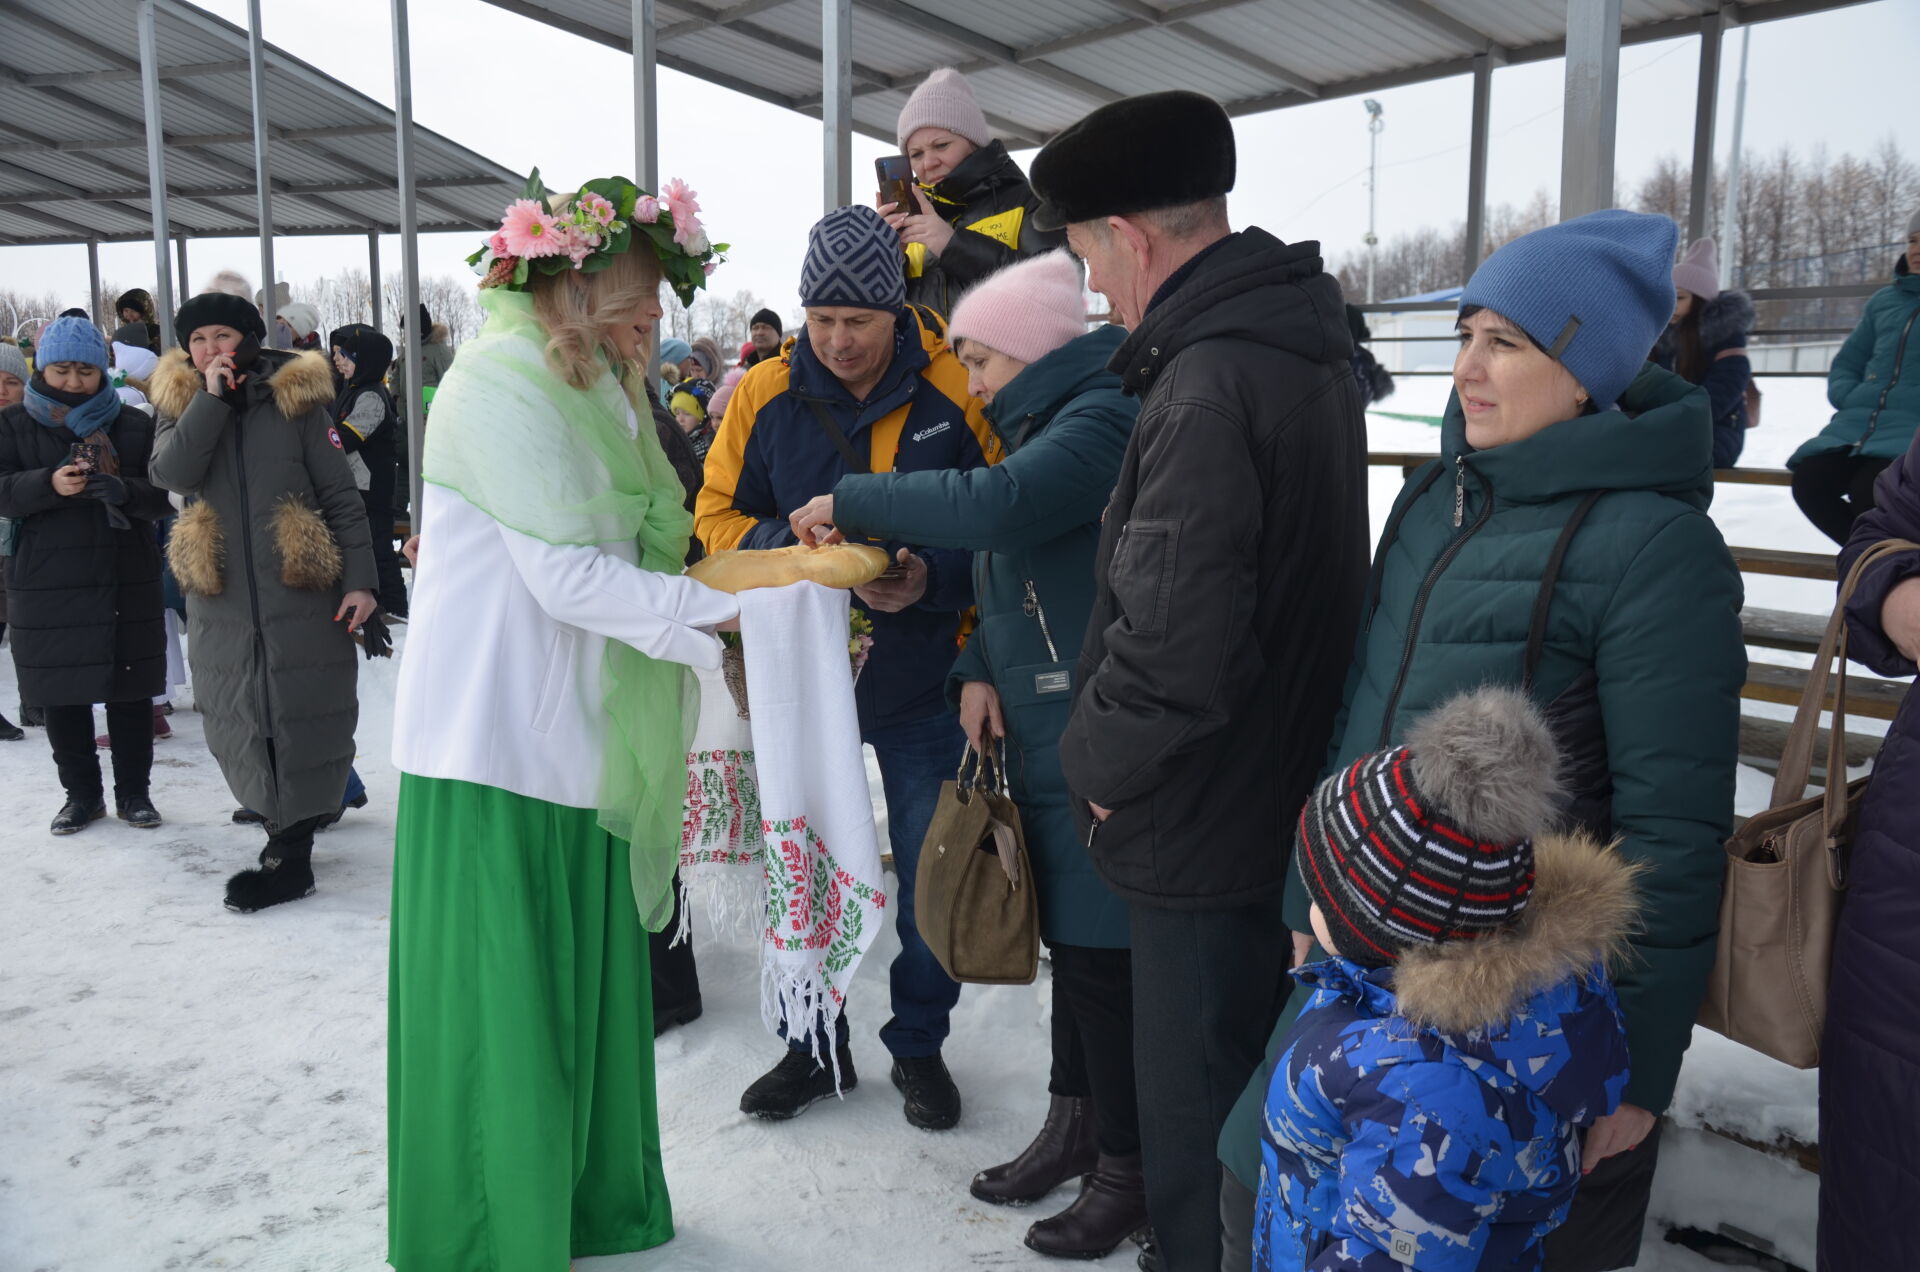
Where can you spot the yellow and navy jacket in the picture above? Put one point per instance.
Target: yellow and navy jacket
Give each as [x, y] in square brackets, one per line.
[771, 455]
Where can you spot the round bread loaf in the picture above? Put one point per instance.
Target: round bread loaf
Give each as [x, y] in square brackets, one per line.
[832, 565]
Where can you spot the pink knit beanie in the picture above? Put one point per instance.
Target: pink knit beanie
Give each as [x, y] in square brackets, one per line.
[1026, 310]
[1699, 270]
[944, 100]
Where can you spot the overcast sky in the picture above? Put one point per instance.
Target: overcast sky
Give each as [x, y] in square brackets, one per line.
[524, 94]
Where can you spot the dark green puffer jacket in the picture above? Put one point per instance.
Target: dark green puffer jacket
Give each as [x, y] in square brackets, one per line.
[1640, 670]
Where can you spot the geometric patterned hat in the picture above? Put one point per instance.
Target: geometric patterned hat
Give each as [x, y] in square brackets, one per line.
[854, 259]
[1433, 841]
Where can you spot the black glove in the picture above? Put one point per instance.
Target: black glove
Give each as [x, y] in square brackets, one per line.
[106, 488]
[374, 641]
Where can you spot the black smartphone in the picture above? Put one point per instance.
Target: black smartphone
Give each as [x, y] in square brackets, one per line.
[895, 174]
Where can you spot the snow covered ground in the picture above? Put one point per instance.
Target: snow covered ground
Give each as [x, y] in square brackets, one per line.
[181, 1087]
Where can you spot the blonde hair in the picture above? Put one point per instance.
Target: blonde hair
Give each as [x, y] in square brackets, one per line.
[576, 308]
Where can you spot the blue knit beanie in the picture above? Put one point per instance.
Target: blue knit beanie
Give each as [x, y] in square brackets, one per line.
[675, 350]
[1595, 292]
[853, 258]
[71, 340]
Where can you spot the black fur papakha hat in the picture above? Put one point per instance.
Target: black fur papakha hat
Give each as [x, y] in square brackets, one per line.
[1158, 150]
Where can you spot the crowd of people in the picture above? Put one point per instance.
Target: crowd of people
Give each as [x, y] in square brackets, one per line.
[1379, 881]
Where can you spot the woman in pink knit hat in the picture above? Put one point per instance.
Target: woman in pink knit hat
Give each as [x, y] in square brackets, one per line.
[972, 203]
[1033, 522]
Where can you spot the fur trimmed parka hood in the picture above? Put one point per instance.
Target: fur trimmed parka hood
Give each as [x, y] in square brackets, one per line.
[300, 381]
[1725, 322]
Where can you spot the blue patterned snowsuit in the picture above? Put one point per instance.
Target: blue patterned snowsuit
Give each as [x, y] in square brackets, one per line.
[1386, 1147]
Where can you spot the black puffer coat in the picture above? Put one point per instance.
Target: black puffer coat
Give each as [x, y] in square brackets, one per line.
[1231, 569]
[84, 606]
[988, 202]
[1725, 322]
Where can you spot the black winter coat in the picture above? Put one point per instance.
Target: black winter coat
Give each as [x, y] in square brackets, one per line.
[1231, 569]
[84, 607]
[988, 202]
[1725, 322]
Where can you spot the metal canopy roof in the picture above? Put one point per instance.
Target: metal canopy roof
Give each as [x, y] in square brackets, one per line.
[1038, 65]
[73, 136]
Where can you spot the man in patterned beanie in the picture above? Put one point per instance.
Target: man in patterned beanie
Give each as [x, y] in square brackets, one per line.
[1427, 1105]
[868, 386]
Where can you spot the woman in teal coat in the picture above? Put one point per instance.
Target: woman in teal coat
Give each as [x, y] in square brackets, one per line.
[1561, 544]
[1033, 522]
[1874, 386]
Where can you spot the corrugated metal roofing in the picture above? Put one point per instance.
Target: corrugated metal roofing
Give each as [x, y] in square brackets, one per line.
[73, 157]
[1038, 65]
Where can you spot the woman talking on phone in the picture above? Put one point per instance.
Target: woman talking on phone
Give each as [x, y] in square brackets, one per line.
[969, 202]
[84, 599]
[274, 556]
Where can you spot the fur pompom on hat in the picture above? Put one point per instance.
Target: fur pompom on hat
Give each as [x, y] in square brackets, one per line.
[1093, 169]
[1433, 841]
[944, 100]
[1026, 310]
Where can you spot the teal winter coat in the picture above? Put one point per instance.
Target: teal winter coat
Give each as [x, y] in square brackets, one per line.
[1639, 672]
[1874, 384]
[1034, 523]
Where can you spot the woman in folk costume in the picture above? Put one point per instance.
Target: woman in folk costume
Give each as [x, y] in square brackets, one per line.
[539, 736]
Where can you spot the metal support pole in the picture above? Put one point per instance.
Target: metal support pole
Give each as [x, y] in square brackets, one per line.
[646, 99]
[163, 304]
[104, 320]
[180, 247]
[836, 99]
[1374, 125]
[373, 273]
[1729, 214]
[1592, 96]
[1478, 129]
[257, 58]
[414, 406]
[1706, 103]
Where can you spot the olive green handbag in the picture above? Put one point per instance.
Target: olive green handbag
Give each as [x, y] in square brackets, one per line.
[973, 895]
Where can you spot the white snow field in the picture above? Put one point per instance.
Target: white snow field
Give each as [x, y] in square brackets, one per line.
[181, 1087]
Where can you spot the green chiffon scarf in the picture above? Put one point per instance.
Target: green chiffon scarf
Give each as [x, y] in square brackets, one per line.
[563, 465]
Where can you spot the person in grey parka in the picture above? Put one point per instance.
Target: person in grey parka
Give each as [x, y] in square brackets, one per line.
[272, 553]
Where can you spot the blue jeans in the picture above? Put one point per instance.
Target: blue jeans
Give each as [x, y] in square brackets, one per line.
[355, 787]
[915, 758]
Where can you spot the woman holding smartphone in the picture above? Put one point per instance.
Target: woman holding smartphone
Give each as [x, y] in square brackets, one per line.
[969, 204]
[275, 558]
[84, 600]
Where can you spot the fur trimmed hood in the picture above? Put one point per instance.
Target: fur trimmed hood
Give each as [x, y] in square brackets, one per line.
[1583, 908]
[1725, 322]
[300, 381]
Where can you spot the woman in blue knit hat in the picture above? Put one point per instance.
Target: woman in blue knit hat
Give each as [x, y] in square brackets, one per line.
[84, 599]
[1560, 544]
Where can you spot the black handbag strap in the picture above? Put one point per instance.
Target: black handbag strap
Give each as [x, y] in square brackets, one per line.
[1543, 599]
[831, 427]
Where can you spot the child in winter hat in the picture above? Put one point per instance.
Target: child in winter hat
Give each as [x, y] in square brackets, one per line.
[1426, 1104]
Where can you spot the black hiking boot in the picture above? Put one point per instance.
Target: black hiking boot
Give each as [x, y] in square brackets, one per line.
[1062, 1150]
[138, 812]
[796, 1084]
[9, 731]
[76, 813]
[933, 1101]
[665, 1018]
[333, 819]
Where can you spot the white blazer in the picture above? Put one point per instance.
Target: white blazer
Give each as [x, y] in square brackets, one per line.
[501, 674]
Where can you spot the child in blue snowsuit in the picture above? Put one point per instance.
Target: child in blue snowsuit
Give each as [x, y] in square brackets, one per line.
[1425, 1109]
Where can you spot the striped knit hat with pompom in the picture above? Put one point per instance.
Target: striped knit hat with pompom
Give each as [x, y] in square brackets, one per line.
[1433, 841]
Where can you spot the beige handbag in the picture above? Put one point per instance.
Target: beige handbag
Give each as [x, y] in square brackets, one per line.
[973, 894]
[1787, 875]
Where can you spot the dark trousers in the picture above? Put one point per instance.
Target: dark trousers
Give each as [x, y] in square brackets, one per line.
[392, 593]
[1602, 1231]
[1093, 1041]
[1834, 488]
[1236, 1223]
[915, 757]
[129, 726]
[1207, 988]
[676, 979]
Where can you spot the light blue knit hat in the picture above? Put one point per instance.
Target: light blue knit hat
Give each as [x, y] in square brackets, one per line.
[1595, 292]
[71, 340]
[853, 258]
[675, 350]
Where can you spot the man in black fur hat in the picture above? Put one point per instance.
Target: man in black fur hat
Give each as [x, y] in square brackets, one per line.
[1232, 567]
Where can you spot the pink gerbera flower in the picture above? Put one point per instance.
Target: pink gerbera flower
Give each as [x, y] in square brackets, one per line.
[597, 208]
[529, 231]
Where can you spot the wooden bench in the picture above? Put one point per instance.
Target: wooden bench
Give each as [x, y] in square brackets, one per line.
[1794, 565]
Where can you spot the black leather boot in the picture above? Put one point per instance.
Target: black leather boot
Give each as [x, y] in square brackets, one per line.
[1111, 1207]
[285, 873]
[1063, 1150]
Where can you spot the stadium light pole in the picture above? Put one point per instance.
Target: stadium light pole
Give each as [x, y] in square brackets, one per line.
[1374, 124]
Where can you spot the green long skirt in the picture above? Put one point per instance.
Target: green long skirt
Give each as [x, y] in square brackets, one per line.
[521, 1123]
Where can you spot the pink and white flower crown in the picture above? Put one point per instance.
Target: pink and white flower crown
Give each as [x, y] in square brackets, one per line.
[603, 220]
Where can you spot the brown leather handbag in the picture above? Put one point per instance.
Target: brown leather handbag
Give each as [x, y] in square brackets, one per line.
[973, 894]
[1787, 874]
